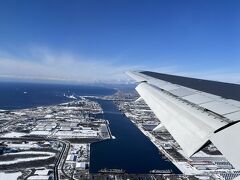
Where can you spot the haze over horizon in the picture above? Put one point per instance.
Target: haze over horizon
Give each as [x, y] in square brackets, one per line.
[97, 41]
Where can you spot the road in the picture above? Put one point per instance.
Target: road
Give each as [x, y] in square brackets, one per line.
[61, 158]
[58, 169]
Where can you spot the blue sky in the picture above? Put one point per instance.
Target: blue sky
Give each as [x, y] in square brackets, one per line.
[93, 40]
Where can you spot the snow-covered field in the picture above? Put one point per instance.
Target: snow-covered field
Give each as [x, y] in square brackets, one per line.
[31, 152]
[9, 176]
[24, 145]
[40, 133]
[14, 134]
[20, 160]
[23, 160]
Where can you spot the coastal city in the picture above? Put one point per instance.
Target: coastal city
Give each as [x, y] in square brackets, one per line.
[53, 142]
[119, 90]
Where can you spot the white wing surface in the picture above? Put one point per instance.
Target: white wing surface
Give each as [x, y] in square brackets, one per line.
[193, 117]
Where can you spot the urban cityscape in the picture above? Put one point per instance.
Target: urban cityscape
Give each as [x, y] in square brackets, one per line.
[53, 142]
[119, 89]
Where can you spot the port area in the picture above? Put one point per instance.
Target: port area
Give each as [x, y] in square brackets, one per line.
[53, 142]
[208, 163]
[50, 142]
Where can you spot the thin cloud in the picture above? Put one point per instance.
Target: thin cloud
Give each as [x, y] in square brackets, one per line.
[43, 64]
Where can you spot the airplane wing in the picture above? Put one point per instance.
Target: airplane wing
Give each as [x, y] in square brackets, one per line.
[194, 111]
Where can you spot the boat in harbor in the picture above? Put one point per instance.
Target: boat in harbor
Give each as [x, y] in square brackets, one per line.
[112, 171]
[156, 171]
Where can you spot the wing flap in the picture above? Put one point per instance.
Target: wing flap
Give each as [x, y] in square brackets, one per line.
[192, 116]
[189, 127]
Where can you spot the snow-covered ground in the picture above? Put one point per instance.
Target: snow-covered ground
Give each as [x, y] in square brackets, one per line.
[9, 176]
[40, 133]
[19, 113]
[23, 160]
[24, 145]
[31, 152]
[14, 134]
[42, 155]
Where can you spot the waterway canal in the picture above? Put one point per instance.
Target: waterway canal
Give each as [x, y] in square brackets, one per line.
[131, 150]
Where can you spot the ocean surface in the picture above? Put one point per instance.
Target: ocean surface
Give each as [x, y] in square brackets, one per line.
[131, 150]
[15, 95]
